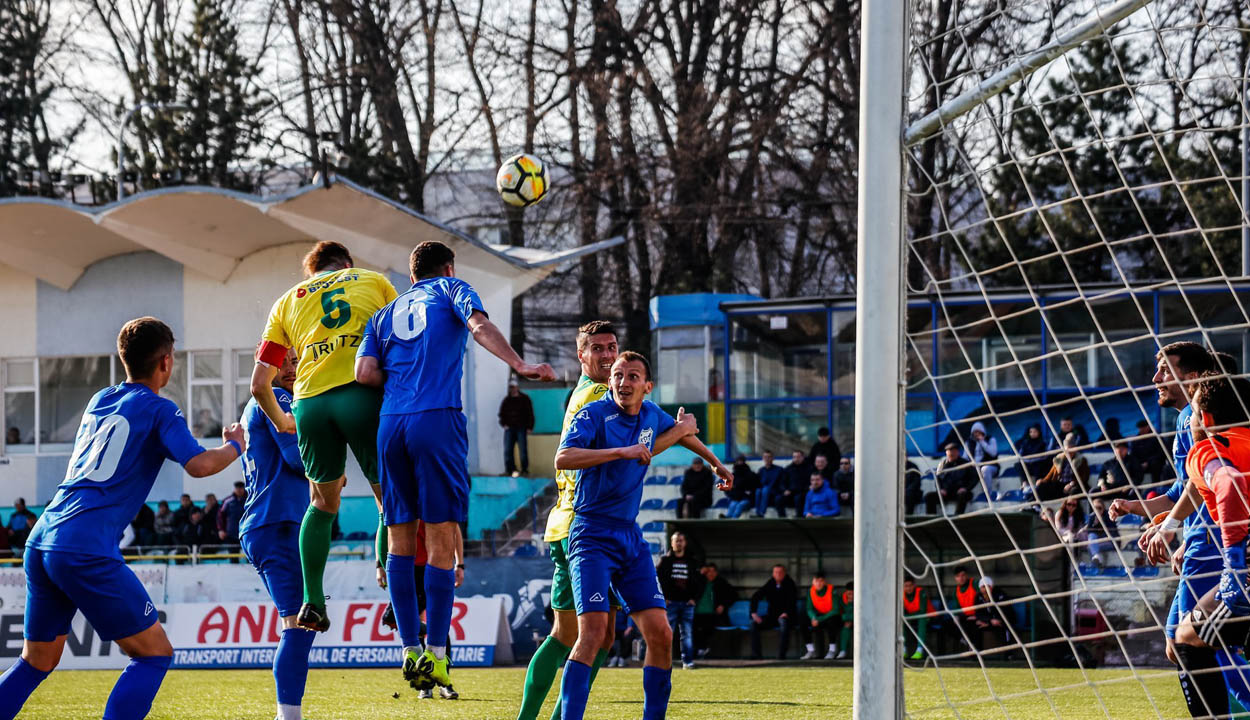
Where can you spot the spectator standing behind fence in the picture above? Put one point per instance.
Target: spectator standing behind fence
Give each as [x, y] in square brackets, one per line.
[20, 523]
[984, 452]
[772, 478]
[825, 445]
[821, 501]
[1148, 454]
[696, 490]
[822, 621]
[232, 514]
[956, 479]
[712, 608]
[682, 585]
[516, 416]
[844, 483]
[212, 509]
[742, 494]
[195, 532]
[781, 595]
[163, 524]
[182, 515]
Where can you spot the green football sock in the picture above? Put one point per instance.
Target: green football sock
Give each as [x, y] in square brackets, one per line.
[314, 548]
[600, 659]
[381, 548]
[548, 659]
[844, 640]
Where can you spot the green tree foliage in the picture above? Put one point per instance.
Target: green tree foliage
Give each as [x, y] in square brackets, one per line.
[27, 144]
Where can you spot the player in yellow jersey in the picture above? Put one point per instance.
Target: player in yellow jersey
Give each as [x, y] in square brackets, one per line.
[323, 319]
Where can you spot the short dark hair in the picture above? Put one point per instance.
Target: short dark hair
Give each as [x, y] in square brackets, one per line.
[850, 584]
[592, 328]
[185, 495]
[1190, 356]
[711, 565]
[324, 254]
[239, 484]
[631, 356]
[141, 344]
[816, 474]
[1226, 399]
[823, 431]
[1143, 423]
[780, 565]
[819, 574]
[428, 258]
[961, 569]
[1225, 362]
[950, 446]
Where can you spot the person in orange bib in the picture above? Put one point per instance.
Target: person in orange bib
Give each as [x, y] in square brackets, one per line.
[963, 611]
[917, 608]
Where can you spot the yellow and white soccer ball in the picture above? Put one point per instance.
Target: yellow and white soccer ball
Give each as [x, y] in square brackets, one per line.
[522, 180]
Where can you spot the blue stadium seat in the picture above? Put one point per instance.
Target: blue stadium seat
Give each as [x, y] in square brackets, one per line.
[1010, 496]
[652, 504]
[526, 550]
[1131, 520]
[655, 548]
[740, 614]
[670, 505]
[721, 503]
[675, 480]
[357, 535]
[980, 497]
[656, 480]
[1146, 571]
[653, 526]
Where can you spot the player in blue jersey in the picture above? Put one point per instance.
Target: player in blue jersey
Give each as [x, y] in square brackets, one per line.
[610, 443]
[414, 348]
[1198, 561]
[277, 498]
[72, 559]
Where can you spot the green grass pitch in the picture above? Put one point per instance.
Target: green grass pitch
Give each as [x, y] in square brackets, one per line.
[742, 693]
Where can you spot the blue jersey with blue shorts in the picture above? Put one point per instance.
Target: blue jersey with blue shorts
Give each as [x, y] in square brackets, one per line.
[606, 547]
[72, 559]
[277, 498]
[1203, 563]
[419, 341]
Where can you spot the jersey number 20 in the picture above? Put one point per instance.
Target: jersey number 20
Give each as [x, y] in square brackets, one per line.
[98, 448]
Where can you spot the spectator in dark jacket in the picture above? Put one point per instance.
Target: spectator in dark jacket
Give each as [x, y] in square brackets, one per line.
[912, 493]
[996, 616]
[1148, 454]
[781, 595]
[826, 446]
[20, 523]
[182, 515]
[144, 526]
[696, 490]
[957, 479]
[794, 485]
[712, 608]
[682, 585]
[231, 515]
[844, 483]
[772, 478]
[516, 416]
[1117, 476]
[195, 533]
[742, 494]
[1067, 427]
[163, 524]
[211, 509]
[822, 465]
[1034, 457]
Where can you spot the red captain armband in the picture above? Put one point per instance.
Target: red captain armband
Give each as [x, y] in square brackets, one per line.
[271, 353]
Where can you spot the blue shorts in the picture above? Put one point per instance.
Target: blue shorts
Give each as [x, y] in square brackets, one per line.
[274, 551]
[58, 584]
[603, 559]
[423, 466]
[1197, 578]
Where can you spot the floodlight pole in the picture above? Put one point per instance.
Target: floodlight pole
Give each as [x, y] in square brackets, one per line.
[121, 146]
[879, 304]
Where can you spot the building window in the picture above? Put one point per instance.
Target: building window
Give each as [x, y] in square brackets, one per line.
[244, 361]
[19, 405]
[66, 385]
[206, 393]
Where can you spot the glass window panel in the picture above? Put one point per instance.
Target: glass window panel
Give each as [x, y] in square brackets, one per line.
[1209, 309]
[682, 337]
[206, 404]
[176, 389]
[19, 373]
[780, 355]
[19, 419]
[244, 361]
[242, 393]
[780, 427]
[843, 353]
[65, 386]
[681, 376]
[207, 365]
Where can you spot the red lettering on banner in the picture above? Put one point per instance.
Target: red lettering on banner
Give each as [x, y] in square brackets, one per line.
[380, 632]
[255, 623]
[354, 618]
[217, 619]
[459, 610]
[273, 627]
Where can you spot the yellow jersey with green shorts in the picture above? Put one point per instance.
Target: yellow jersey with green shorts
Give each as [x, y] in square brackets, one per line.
[324, 318]
[561, 516]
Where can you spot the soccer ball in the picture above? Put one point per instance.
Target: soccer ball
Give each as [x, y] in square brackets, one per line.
[522, 180]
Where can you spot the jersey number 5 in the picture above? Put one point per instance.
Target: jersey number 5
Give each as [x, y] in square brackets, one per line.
[332, 306]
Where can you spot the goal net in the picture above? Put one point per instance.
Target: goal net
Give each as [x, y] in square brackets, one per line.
[1072, 202]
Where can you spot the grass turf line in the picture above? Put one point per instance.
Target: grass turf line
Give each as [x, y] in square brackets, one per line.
[773, 693]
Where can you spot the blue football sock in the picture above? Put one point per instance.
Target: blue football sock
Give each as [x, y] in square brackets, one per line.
[290, 665]
[402, 586]
[17, 683]
[657, 683]
[574, 690]
[440, 594]
[132, 696]
[1236, 675]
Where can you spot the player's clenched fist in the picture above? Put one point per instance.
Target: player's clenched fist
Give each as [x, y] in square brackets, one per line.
[688, 424]
[234, 431]
[637, 452]
[1119, 508]
[542, 372]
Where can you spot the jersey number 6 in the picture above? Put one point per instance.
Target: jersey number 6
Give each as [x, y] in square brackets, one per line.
[408, 316]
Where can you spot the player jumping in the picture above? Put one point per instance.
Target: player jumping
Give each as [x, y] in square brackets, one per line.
[72, 560]
[322, 318]
[277, 498]
[611, 442]
[414, 348]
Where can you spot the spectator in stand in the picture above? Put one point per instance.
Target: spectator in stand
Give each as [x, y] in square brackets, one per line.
[1148, 454]
[1113, 483]
[917, 609]
[821, 500]
[712, 609]
[144, 526]
[696, 490]
[20, 523]
[195, 532]
[1066, 428]
[962, 610]
[1034, 457]
[822, 622]
[1069, 521]
[985, 454]
[619, 651]
[13, 436]
[182, 515]
[846, 607]
[844, 483]
[516, 416]
[992, 617]
[5, 549]
[826, 446]
[1118, 476]
[211, 509]
[682, 585]
[231, 515]
[798, 473]
[1068, 475]
[163, 524]
[781, 595]
[742, 494]
[1112, 426]
[957, 478]
[772, 478]
[913, 495]
[820, 464]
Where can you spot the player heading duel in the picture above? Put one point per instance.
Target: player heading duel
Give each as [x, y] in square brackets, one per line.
[72, 560]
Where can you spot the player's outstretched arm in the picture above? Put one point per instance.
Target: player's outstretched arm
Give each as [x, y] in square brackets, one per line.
[211, 462]
[488, 336]
[696, 446]
[575, 458]
[262, 390]
[686, 425]
[1146, 508]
